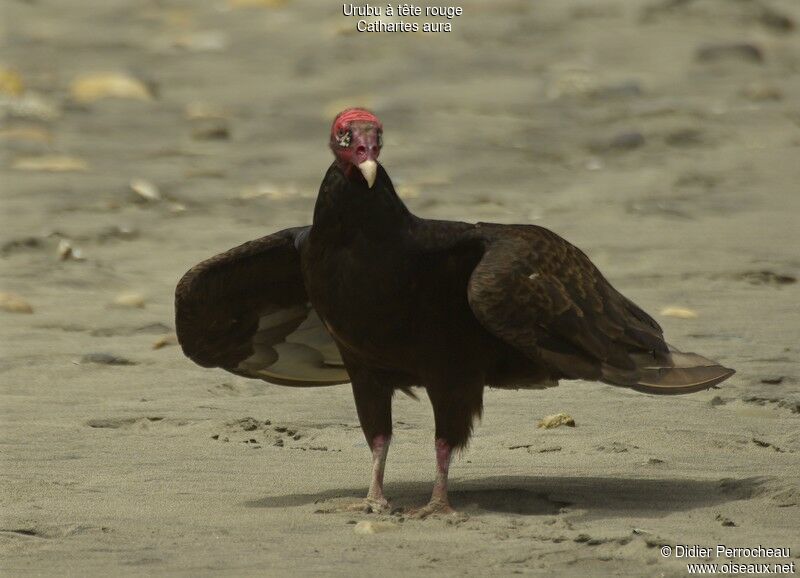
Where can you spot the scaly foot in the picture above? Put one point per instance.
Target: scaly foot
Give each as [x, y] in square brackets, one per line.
[375, 505]
[431, 509]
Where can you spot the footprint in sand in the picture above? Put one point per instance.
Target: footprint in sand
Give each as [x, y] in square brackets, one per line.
[145, 422]
[259, 433]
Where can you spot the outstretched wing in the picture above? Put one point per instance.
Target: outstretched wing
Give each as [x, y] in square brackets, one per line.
[543, 296]
[247, 311]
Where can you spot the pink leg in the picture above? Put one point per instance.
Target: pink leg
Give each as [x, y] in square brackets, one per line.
[439, 503]
[375, 502]
[375, 498]
[443, 451]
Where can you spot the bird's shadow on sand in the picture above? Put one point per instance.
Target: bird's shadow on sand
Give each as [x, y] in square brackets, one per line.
[535, 495]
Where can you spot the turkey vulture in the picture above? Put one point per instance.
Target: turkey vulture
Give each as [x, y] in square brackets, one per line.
[372, 295]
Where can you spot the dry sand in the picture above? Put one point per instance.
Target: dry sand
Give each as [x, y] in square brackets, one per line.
[632, 128]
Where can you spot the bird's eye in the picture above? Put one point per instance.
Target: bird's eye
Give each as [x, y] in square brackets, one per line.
[380, 140]
[343, 138]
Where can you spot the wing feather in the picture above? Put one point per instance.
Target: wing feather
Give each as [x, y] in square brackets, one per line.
[247, 311]
[544, 296]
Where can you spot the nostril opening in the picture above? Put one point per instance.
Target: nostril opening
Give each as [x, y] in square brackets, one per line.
[361, 149]
[375, 149]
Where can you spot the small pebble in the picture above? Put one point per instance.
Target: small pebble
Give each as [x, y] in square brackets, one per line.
[132, 300]
[556, 420]
[146, 189]
[67, 252]
[92, 87]
[679, 312]
[165, 340]
[13, 303]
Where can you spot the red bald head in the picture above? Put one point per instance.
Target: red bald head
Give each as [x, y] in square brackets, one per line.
[348, 115]
[356, 141]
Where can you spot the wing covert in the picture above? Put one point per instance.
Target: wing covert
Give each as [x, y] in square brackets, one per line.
[543, 296]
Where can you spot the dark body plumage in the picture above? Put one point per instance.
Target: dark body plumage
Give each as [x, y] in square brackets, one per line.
[446, 305]
[373, 295]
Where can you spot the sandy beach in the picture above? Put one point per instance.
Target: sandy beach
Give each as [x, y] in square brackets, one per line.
[662, 137]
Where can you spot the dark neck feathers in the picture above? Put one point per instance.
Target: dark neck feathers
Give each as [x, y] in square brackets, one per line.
[347, 206]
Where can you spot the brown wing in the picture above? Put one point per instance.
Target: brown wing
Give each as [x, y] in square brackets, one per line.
[544, 296]
[247, 311]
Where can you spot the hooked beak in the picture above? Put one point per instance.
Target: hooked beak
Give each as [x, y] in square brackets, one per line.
[369, 169]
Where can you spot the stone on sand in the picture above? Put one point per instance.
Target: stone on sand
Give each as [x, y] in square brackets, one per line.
[679, 312]
[130, 300]
[92, 87]
[14, 303]
[556, 420]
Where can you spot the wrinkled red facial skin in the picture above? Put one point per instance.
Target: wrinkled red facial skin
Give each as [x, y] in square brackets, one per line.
[365, 129]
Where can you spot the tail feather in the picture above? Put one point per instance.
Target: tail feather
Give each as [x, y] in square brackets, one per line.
[673, 374]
